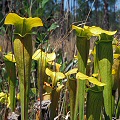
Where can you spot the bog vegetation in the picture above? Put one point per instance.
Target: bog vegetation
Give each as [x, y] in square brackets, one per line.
[59, 60]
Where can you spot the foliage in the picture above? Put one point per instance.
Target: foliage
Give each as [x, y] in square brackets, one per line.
[38, 71]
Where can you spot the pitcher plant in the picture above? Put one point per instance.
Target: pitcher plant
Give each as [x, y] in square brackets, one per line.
[23, 54]
[104, 53]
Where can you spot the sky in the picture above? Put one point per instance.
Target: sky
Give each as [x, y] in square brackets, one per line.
[118, 5]
[66, 3]
[71, 4]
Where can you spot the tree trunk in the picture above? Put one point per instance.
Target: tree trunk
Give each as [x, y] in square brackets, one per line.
[96, 13]
[106, 16]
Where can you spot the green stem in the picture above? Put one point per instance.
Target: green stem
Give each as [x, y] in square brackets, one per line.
[95, 61]
[40, 83]
[105, 57]
[76, 104]
[83, 51]
[118, 108]
[94, 103]
[94, 96]
[41, 78]
[10, 67]
[72, 89]
[54, 102]
[23, 56]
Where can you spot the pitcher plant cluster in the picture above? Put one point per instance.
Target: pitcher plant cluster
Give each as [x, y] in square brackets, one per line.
[95, 90]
